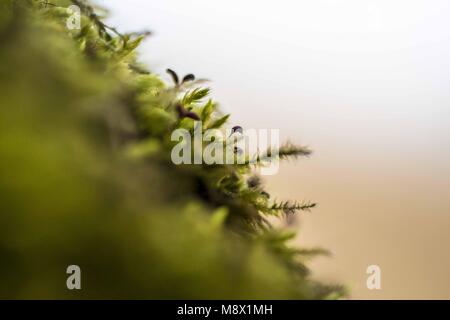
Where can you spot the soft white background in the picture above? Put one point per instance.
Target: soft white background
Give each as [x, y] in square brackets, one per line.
[365, 83]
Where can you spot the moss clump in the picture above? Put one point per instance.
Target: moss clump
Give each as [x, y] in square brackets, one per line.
[86, 177]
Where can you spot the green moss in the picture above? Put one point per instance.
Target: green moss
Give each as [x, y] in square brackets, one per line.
[86, 177]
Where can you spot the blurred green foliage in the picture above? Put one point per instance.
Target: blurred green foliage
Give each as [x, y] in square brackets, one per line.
[86, 177]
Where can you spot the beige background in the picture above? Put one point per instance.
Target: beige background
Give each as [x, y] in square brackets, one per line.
[366, 85]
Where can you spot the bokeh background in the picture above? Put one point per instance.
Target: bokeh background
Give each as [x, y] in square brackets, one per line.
[365, 84]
